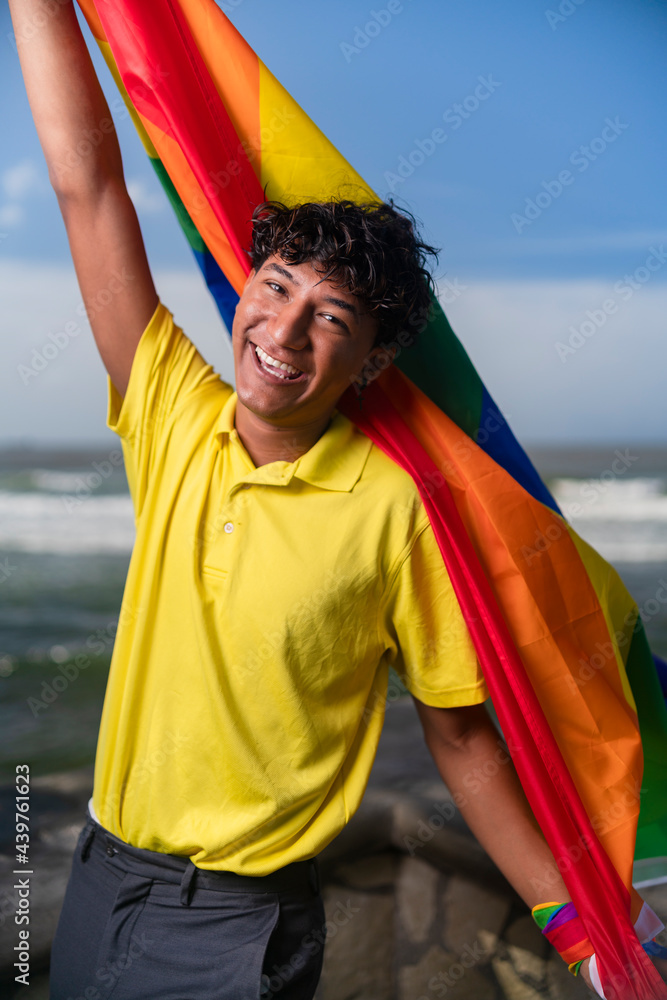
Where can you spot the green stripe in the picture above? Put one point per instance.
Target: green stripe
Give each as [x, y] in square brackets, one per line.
[438, 364]
[543, 914]
[653, 728]
[186, 223]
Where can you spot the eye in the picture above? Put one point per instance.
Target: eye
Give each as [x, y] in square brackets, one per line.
[336, 321]
[274, 286]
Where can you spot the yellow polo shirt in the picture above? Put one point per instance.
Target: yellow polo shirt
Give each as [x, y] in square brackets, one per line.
[262, 609]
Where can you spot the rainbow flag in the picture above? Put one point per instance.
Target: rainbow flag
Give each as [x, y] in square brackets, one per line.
[559, 638]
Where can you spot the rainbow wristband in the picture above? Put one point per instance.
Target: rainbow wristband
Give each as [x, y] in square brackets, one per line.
[563, 928]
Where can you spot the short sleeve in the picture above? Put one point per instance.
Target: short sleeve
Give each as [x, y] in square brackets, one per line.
[166, 370]
[431, 648]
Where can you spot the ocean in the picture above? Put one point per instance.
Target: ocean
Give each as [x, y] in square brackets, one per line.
[66, 534]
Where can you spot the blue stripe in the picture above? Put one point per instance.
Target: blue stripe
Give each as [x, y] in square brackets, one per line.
[224, 295]
[497, 440]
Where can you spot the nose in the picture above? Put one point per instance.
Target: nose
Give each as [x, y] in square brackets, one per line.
[288, 327]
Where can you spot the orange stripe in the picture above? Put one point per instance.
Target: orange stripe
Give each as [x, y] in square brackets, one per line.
[553, 614]
[197, 205]
[94, 23]
[236, 77]
[168, 150]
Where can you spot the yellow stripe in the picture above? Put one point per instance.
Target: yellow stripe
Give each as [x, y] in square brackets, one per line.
[620, 611]
[298, 162]
[143, 135]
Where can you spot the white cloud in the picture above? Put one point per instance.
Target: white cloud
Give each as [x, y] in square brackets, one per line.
[523, 244]
[20, 180]
[66, 401]
[611, 389]
[145, 200]
[11, 215]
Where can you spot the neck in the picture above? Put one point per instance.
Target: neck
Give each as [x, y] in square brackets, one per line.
[266, 442]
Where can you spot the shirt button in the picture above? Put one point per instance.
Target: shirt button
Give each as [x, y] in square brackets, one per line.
[229, 527]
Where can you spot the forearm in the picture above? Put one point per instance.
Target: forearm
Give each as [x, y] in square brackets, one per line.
[71, 114]
[495, 808]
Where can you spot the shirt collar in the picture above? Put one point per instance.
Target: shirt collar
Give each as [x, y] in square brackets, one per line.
[336, 460]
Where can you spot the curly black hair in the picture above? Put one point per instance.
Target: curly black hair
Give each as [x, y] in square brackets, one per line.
[372, 249]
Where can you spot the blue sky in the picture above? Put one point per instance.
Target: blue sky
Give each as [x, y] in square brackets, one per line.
[528, 138]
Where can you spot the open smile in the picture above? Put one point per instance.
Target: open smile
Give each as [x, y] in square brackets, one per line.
[278, 373]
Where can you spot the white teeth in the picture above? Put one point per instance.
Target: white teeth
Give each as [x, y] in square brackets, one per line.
[279, 365]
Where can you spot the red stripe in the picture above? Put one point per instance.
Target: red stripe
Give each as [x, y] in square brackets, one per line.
[568, 935]
[592, 881]
[170, 86]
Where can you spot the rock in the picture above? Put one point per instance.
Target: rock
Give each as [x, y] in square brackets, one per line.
[470, 908]
[421, 833]
[373, 871]
[416, 886]
[358, 957]
[527, 964]
[561, 984]
[439, 973]
[488, 943]
[513, 987]
[524, 933]
[367, 833]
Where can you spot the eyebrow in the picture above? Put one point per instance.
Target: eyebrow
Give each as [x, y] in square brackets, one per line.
[331, 299]
[282, 270]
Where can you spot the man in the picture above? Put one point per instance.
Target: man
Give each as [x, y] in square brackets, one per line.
[282, 563]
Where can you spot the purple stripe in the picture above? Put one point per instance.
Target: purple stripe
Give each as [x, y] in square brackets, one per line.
[560, 917]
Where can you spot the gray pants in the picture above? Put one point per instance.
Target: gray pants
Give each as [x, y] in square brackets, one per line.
[138, 925]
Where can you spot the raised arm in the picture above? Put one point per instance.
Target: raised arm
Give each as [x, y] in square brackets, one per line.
[81, 148]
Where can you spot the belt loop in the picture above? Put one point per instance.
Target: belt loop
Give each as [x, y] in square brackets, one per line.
[314, 876]
[187, 885]
[89, 832]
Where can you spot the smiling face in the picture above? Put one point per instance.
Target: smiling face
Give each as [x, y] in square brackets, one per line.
[288, 315]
